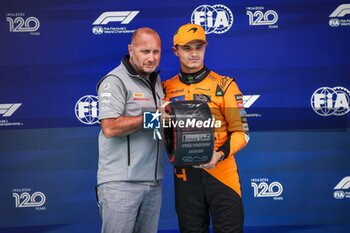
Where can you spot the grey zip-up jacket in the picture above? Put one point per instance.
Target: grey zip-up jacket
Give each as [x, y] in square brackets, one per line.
[137, 157]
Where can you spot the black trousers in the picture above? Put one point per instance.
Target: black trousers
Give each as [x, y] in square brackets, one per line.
[198, 195]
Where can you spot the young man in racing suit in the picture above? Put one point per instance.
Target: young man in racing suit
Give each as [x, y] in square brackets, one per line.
[211, 189]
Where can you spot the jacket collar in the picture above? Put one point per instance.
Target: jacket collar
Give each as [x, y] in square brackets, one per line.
[132, 72]
[131, 69]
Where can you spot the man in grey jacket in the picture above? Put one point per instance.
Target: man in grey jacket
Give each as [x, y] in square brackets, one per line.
[130, 167]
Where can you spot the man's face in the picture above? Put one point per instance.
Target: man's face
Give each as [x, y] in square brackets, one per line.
[191, 55]
[145, 53]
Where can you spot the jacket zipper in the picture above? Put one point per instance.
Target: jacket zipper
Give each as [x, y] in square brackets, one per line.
[148, 83]
[155, 103]
[128, 139]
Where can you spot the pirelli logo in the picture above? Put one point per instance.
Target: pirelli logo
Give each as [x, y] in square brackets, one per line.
[138, 95]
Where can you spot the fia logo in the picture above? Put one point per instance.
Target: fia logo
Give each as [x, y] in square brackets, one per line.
[259, 18]
[327, 101]
[21, 24]
[263, 189]
[98, 30]
[216, 19]
[26, 199]
[86, 109]
[151, 120]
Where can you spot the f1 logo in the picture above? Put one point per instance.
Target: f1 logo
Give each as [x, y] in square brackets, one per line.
[248, 100]
[115, 16]
[344, 183]
[341, 11]
[8, 109]
[341, 189]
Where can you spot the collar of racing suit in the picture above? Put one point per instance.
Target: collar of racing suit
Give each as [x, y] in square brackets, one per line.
[194, 77]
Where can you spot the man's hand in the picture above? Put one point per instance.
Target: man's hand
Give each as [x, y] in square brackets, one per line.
[217, 156]
[165, 116]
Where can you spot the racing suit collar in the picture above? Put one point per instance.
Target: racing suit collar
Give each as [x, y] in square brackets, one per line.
[195, 77]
